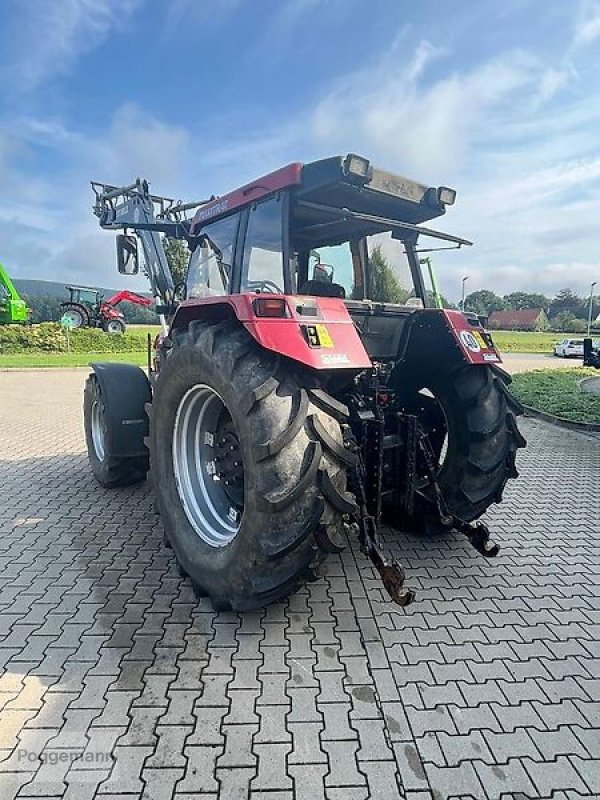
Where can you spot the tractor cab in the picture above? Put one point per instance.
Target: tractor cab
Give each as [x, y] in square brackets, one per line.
[335, 228]
[91, 298]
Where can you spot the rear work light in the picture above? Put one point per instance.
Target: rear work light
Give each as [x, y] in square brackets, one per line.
[357, 166]
[270, 307]
[446, 196]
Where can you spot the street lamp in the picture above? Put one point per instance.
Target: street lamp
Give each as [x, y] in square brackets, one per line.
[462, 302]
[589, 327]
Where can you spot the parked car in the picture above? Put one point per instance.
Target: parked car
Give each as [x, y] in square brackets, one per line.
[569, 348]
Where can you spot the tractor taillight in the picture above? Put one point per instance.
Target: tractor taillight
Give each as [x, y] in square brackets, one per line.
[270, 307]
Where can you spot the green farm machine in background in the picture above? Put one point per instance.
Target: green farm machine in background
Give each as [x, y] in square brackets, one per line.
[12, 308]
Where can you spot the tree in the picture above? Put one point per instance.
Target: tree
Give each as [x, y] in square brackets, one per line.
[563, 321]
[44, 307]
[445, 302]
[516, 301]
[178, 255]
[567, 301]
[484, 302]
[385, 285]
[138, 315]
[578, 326]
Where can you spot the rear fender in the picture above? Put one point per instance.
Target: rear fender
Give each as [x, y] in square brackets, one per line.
[125, 391]
[447, 338]
[315, 331]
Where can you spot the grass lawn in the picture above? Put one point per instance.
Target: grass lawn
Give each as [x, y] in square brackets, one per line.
[528, 342]
[144, 329]
[68, 359]
[557, 392]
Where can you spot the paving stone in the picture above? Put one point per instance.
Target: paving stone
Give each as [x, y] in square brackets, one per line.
[562, 741]
[199, 775]
[508, 778]
[343, 765]
[453, 781]
[235, 783]
[549, 776]
[306, 743]
[410, 766]
[125, 775]
[336, 718]
[303, 705]
[272, 767]
[382, 779]
[309, 781]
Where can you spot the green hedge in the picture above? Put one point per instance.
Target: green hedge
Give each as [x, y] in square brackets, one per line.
[50, 337]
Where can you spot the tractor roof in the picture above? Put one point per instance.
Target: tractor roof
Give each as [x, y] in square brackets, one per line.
[339, 182]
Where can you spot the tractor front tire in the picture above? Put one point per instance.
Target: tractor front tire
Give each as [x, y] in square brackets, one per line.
[110, 471]
[248, 465]
[114, 326]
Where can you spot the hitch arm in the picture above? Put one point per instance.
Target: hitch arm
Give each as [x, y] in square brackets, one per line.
[391, 572]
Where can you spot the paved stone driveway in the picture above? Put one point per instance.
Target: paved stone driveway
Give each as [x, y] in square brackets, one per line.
[117, 682]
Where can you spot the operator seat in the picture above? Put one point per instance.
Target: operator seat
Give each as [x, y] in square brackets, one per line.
[323, 289]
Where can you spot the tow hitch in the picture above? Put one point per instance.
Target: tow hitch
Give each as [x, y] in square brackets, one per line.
[412, 444]
[392, 572]
[476, 532]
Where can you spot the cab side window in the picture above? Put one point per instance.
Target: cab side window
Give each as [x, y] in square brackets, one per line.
[263, 252]
[209, 270]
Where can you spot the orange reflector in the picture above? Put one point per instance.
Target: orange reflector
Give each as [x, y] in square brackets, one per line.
[270, 307]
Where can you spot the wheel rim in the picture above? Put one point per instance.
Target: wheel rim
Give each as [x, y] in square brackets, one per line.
[98, 429]
[113, 327]
[440, 437]
[207, 464]
[74, 317]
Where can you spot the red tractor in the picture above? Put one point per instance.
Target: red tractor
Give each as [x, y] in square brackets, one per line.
[86, 308]
[304, 387]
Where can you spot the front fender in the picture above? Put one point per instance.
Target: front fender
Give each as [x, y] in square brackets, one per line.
[125, 390]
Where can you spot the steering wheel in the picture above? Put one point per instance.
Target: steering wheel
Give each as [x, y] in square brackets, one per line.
[264, 286]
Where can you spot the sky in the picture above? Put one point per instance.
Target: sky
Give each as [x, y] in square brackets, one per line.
[498, 100]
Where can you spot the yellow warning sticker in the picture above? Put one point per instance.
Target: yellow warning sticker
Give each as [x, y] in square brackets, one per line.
[325, 339]
[482, 342]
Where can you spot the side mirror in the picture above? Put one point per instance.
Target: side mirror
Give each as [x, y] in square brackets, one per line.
[322, 273]
[127, 254]
[180, 292]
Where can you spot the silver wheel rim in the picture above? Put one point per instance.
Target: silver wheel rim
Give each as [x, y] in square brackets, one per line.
[98, 429]
[202, 466]
[443, 454]
[75, 318]
[113, 327]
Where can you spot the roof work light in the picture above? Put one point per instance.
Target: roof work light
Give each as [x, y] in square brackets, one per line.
[357, 166]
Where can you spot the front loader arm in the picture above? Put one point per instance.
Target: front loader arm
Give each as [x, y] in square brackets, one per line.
[130, 297]
[133, 207]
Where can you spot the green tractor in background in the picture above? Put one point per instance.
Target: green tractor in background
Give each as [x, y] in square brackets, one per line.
[12, 308]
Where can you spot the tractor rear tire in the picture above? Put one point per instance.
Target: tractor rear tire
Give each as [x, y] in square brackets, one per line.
[479, 414]
[109, 471]
[259, 438]
[78, 314]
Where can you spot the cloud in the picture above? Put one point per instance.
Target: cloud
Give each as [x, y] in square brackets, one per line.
[46, 38]
[587, 24]
[46, 224]
[393, 110]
